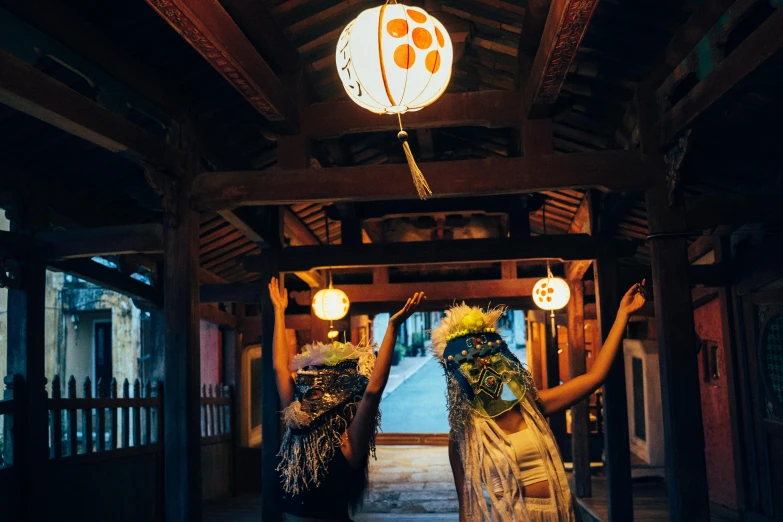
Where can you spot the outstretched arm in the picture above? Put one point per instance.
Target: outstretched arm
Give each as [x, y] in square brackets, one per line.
[363, 425]
[564, 396]
[282, 357]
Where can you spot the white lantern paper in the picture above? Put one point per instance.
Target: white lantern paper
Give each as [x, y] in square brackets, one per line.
[394, 58]
[330, 304]
[551, 293]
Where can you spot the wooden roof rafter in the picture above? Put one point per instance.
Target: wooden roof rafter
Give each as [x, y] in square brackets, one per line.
[211, 31]
[563, 32]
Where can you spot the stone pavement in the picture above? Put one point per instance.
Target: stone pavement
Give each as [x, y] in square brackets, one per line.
[407, 480]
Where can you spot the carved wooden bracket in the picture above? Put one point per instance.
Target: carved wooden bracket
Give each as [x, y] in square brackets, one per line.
[673, 160]
[166, 187]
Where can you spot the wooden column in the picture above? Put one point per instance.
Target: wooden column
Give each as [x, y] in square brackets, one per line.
[26, 352]
[577, 365]
[270, 404]
[557, 421]
[686, 474]
[182, 409]
[616, 437]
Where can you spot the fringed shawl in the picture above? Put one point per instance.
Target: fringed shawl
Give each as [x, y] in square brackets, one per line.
[484, 447]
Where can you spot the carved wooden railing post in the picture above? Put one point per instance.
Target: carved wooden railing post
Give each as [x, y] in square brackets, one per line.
[125, 415]
[113, 413]
[73, 420]
[57, 420]
[87, 433]
[137, 414]
[100, 415]
[148, 414]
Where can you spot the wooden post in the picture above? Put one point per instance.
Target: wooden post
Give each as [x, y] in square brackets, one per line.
[270, 406]
[580, 432]
[557, 421]
[26, 348]
[616, 437]
[686, 473]
[182, 443]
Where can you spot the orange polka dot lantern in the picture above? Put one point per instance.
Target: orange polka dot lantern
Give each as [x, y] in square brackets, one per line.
[394, 59]
[551, 293]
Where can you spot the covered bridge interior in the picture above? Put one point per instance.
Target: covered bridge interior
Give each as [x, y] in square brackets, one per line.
[182, 152]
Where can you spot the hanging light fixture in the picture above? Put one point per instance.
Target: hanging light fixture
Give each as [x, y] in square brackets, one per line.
[551, 293]
[330, 304]
[394, 59]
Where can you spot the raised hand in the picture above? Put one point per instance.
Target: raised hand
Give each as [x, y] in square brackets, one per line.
[279, 299]
[407, 310]
[633, 299]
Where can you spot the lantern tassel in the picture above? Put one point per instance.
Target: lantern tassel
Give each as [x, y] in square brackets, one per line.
[418, 178]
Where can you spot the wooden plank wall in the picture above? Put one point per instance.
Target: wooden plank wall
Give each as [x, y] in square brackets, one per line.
[129, 489]
[216, 459]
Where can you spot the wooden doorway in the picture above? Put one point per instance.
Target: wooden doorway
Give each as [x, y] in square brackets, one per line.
[762, 372]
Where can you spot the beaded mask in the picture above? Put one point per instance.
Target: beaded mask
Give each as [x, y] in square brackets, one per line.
[479, 360]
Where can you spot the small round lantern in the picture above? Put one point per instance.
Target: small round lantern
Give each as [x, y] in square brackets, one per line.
[330, 304]
[551, 293]
[393, 59]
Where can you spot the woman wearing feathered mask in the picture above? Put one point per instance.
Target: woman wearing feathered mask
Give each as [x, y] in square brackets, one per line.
[330, 395]
[500, 441]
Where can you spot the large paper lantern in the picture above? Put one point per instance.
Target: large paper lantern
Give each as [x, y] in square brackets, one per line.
[330, 304]
[394, 59]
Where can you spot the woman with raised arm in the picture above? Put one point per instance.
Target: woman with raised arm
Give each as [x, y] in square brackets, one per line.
[330, 395]
[500, 442]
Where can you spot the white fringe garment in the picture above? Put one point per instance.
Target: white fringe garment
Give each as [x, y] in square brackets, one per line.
[484, 448]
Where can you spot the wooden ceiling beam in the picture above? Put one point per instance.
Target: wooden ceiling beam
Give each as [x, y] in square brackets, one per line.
[759, 47]
[105, 241]
[109, 279]
[566, 248]
[260, 27]
[32, 92]
[609, 170]
[439, 291]
[210, 30]
[680, 46]
[494, 109]
[565, 27]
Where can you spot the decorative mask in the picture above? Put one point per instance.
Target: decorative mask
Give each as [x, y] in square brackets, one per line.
[478, 358]
[320, 389]
[487, 371]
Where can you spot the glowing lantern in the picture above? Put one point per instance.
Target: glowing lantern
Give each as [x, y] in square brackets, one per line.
[330, 304]
[394, 59]
[551, 293]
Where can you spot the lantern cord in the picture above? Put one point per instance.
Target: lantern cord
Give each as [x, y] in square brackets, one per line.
[418, 178]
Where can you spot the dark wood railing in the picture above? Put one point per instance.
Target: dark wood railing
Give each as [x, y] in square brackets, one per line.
[215, 411]
[8, 414]
[86, 425]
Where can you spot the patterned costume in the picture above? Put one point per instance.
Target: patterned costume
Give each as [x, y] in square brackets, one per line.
[477, 393]
[330, 382]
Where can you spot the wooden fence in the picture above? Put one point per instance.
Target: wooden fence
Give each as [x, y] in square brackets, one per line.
[115, 435]
[217, 445]
[86, 425]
